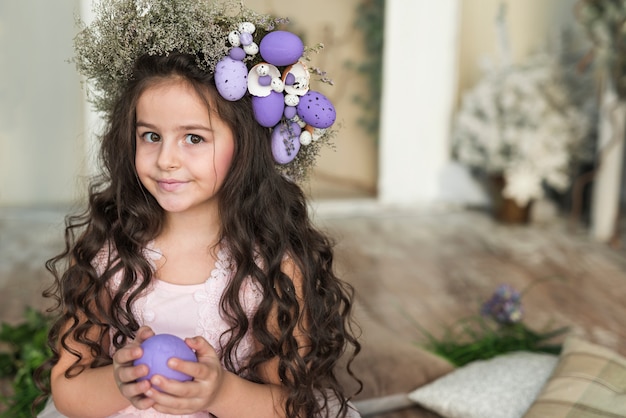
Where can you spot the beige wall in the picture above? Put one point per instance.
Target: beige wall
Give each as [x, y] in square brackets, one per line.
[42, 140]
[350, 169]
[41, 117]
[532, 26]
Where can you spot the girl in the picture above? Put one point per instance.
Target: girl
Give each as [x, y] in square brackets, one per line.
[191, 230]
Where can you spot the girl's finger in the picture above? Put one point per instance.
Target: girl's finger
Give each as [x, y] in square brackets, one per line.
[194, 369]
[141, 402]
[169, 388]
[131, 374]
[201, 346]
[135, 389]
[128, 354]
[143, 334]
[172, 397]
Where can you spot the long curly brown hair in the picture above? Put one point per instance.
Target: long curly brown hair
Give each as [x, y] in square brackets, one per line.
[263, 214]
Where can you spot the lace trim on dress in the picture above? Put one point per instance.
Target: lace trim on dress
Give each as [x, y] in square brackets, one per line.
[131, 411]
[210, 324]
[210, 321]
[151, 253]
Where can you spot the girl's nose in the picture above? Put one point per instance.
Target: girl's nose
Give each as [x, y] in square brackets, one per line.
[168, 156]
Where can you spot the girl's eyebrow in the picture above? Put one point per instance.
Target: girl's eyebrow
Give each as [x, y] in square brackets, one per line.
[141, 124]
[192, 127]
[195, 128]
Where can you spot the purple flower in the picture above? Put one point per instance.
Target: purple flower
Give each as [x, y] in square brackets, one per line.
[504, 306]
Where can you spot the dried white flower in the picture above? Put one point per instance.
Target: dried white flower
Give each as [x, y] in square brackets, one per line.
[124, 30]
[523, 184]
[105, 51]
[519, 121]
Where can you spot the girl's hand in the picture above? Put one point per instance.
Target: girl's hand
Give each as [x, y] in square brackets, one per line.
[180, 398]
[126, 374]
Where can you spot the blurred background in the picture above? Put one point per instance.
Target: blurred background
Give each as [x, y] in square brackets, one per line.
[512, 106]
[511, 109]
[401, 70]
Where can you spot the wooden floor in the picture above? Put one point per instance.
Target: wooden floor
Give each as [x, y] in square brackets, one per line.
[436, 266]
[430, 266]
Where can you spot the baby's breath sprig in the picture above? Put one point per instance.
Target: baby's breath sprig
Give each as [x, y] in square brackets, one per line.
[124, 30]
[301, 166]
[106, 50]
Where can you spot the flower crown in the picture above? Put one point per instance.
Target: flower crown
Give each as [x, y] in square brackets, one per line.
[240, 47]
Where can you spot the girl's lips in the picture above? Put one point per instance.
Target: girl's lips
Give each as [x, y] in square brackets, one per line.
[171, 185]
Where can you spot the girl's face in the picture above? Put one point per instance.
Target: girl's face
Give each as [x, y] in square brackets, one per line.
[184, 151]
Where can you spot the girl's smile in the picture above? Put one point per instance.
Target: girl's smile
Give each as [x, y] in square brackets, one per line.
[171, 185]
[184, 150]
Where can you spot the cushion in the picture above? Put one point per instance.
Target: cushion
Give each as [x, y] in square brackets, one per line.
[588, 382]
[501, 387]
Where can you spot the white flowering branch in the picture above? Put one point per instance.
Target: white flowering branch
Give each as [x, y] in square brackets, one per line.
[520, 122]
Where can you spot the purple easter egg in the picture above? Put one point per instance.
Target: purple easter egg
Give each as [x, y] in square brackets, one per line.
[268, 110]
[281, 48]
[245, 38]
[290, 112]
[265, 80]
[237, 53]
[290, 79]
[316, 110]
[231, 78]
[285, 143]
[158, 349]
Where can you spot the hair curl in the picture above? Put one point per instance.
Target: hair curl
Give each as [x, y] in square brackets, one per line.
[271, 221]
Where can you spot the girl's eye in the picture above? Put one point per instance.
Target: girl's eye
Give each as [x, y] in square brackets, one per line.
[151, 137]
[193, 139]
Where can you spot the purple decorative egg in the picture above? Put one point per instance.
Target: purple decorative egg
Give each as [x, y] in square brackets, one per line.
[290, 112]
[245, 38]
[265, 80]
[158, 349]
[231, 78]
[268, 110]
[316, 110]
[290, 79]
[285, 143]
[281, 48]
[237, 53]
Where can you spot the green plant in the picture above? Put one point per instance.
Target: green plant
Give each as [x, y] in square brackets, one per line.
[604, 21]
[370, 21]
[24, 348]
[497, 330]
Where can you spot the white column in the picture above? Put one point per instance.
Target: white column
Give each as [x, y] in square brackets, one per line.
[419, 83]
[608, 178]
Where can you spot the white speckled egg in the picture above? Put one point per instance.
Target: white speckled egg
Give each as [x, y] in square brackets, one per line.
[251, 49]
[246, 27]
[233, 38]
[305, 138]
[292, 100]
[277, 85]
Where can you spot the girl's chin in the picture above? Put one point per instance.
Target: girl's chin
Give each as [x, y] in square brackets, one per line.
[178, 207]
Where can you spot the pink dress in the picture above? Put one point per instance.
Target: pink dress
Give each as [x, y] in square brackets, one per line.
[188, 311]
